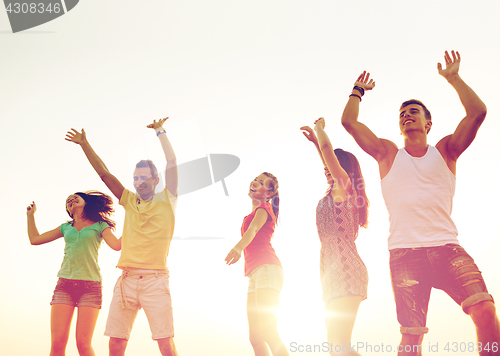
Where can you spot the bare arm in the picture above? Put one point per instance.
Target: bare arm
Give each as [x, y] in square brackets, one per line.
[341, 178]
[311, 136]
[110, 180]
[171, 178]
[365, 138]
[258, 221]
[475, 110]
[34, 235]
[111, 240]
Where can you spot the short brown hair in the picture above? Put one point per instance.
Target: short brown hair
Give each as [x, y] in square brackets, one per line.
[418, 102]
[150, 164]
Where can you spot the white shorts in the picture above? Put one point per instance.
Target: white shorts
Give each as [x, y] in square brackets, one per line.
[147, 289]
[266, 276]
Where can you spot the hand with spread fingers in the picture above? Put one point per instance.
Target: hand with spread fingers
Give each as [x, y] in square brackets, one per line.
[452, 65]
[365, 82]
[155, 125]
[309, 134]
[76, 137]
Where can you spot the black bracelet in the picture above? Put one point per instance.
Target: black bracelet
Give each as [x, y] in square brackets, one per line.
[361, 90]
[356, 95]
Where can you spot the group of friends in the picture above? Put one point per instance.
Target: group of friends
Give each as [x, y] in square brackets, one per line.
[418, 184]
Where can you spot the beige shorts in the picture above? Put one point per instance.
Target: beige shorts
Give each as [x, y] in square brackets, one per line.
[147, 289]
[266, 276]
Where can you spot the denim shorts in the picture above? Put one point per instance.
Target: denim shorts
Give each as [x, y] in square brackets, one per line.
[415, 271]
[265, 276]
[78, 293]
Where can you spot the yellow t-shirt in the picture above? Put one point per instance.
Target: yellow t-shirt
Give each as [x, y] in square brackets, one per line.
[147, 231]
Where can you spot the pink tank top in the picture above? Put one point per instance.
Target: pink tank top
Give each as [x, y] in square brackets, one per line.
[418, 193]
[259, 251]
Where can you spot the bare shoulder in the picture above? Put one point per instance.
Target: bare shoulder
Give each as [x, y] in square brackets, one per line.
[385, 162]
[262, 212]
[389, 145]
[260, 217]
[443, 143]
[442, 147]
[390, 151]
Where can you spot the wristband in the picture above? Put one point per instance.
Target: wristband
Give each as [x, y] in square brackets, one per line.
[356, 95]
[161, 131]
[361, 90]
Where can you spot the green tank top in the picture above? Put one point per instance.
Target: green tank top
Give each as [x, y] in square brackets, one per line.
[80, 252]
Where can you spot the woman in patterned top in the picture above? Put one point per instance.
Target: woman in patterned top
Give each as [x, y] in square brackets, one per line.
[339, 214]
[262, 266]
[79, 283]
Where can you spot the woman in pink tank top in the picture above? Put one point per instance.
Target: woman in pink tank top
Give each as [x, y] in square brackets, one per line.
[262, 266]
[339, 214]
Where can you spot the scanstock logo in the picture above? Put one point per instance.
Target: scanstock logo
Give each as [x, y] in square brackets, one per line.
[203, 172]
[25, 14]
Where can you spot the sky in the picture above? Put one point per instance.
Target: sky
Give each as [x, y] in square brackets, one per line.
[236, 78]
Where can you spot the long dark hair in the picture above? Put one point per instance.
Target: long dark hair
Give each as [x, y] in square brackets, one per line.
[98, 207]
[275, 200]
[350, 163]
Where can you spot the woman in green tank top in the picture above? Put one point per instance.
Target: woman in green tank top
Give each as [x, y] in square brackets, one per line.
[79, 283]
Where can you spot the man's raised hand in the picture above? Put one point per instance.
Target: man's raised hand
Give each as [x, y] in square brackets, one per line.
[76, 137]
[452, 65]
[365, 82]
[156, 124]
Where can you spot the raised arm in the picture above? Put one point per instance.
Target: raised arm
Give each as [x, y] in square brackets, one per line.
[339, 175]
[110, 180]
[258, 221]
[33, 234]
[311, 136]
[366, 139]
[171, 179]
[475, 110]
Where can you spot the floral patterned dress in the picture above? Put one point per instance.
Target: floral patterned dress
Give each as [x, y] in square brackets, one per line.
[343, 272]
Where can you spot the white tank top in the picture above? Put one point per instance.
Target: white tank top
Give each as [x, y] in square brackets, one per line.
[418, 193]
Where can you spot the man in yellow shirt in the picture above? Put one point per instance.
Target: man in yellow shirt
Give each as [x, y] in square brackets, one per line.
[147, 233]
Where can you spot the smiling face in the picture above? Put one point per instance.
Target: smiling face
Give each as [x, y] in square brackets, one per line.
[260, 188]
[413, 118]
[144, 182]
[74, 203]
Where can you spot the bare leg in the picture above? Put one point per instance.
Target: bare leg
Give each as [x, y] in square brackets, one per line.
[267, 302]
[117, 346]
[60, 323]
[256, 336]
[340, 318]
[85, 325]
[167, 346]
[487, 327]
[410, 345]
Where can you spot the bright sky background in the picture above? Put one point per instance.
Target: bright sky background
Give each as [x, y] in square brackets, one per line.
[239, 78]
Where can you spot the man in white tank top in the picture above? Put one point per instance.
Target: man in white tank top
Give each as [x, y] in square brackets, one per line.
[418, 184]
